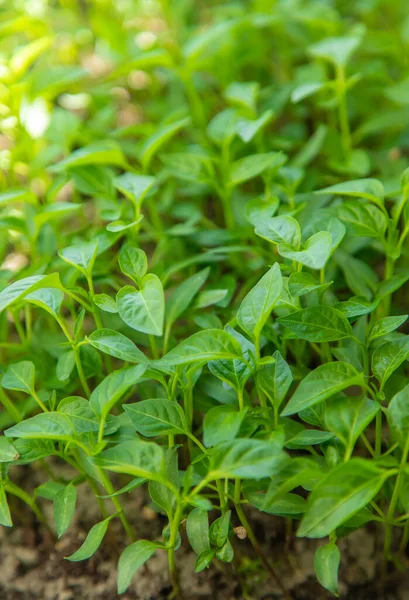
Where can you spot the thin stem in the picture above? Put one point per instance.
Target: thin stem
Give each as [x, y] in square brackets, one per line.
[9, 406]
[393, 503]
[342, 110]
[39, 401]
[117, 503]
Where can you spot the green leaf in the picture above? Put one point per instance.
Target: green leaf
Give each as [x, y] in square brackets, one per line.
[47, 426]
[385, 326]
[388, 357]
[197, 529]
[280, 230]
[20, 377]
[135, 187]
[203, 560]
[183, 296]
[247, 129]
[318, 324]
[116, 344]
[112, 388]
[92, 542]
[64, 508]
[342, 493]
[201, 347]
[317, 250]
[49, 299]
[300, 284]
[221, 424]
[362, 219]
[143, 309]
[219, 530]
[97, 153]
[337, 50]
[371, 189]
[348, 417]
[308, 437]
[80, 413]
[260, 210]
[21, 288]
[105, 303]
[398, 416]
[131, 559]
[326, 564]
[7, 451]
[137, 458]
[256, 307]
[5, 516]
[65, 365]
[157, 417]
[18, 195]
[133, 262]
[250, 166]
[325, 381]
[159, 138]
[81, 256]
[244, 458]
[274, 379]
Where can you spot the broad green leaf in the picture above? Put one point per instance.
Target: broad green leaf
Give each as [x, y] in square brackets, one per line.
[50, 425]
[385, 326]
[131, 559]
[325, 381]
[337, 50]
[261, 209]
[112, 388]
[244, 458]
[81, 256]
[133, 262]
[161, 495]
[256, 307]
[49, 299]
[92, 542]
[316, 252]
[388, 357]
[21, 288]
[221, 424]
[235, 372]
[135, 187]
[201, 347]
[318, 324]
[65, 365]
[137, 458]
[116, 344]
[80, 413]
[356, 306]
[159, 138]
[5, 516]
[203, 560]
[300, 284]
[247, 129]
[371, 189]
[219, 530]
[143, 309]
[305, 90]
[362, 219]
[105, 303]
[157, 417]
[326, 564]
[308, 437]
[64, 508]
[348, 417]
[210, 297]
[398, 415]
[250, 166]
[60, 210]
[183, 295]
[197, 529]
[7, 451]
[274, 379]
[282, 229]
[18, 195]
[342, 493]
[97, 153]
[20, 377]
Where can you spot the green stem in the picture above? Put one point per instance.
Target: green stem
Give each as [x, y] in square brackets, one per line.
[39, 401]
[342, 110]
[394, 501]
[174, 529]
[117, 503]
[9, 406]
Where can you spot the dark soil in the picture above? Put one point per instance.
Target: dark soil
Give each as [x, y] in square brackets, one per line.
[33, 565]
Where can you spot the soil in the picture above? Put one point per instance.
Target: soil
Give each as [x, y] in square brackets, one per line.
[33, 565]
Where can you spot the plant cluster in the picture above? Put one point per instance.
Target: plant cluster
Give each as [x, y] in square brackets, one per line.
[203, 235]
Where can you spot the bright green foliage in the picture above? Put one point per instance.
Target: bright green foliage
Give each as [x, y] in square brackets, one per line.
[204, 277]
